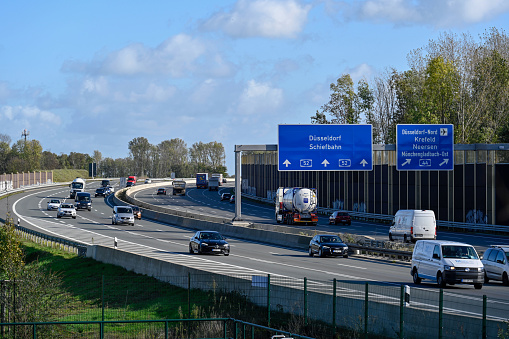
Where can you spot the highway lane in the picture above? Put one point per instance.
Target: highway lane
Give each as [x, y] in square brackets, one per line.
[169, 242]
[208, 202]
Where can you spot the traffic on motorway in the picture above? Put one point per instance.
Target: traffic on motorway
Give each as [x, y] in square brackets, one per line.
[170, 242]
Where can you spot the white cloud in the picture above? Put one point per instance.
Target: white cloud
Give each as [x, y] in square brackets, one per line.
[261, 18]
[437, 13]
[178, 56]
[359, 72]
[30, 115]
[259, 98]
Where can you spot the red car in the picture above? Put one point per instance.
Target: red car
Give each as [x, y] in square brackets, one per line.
[340, 217]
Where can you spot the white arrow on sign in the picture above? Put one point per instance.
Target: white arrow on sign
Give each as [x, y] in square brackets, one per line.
[325, 163]
[364, 162]
[286, 163]
[406, 162]
[446, 161]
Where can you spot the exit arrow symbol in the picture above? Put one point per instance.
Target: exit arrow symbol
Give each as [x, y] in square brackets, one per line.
[325, 163]
[406, 162]
[364, 162]
[446, 161]
[286, 163]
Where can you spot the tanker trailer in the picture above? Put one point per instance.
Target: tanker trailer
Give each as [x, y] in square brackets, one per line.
[296, 205]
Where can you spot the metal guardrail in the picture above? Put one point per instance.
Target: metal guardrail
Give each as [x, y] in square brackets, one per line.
[52, 241]
[384, 218]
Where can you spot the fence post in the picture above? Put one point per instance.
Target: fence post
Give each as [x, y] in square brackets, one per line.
[305, 301]
[401, 311]
[440, 313]
[366, 314]
[334, 283]
[268, 300]
[484, 314]
[101, 328]
[188, 295]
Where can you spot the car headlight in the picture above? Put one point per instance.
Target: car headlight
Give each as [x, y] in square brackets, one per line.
[481, 269]
[204, 244]
[449, 268]
[226, 245]
[325, 247]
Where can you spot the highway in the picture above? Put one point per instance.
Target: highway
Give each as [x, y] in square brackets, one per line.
[169, 242]
[207, 202]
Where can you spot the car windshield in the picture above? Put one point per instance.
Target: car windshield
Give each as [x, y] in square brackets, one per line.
[124, 210]
[330, 238]
[459, 252]
[67, 206]
[210, 236]
[55, 201]
[83, 198]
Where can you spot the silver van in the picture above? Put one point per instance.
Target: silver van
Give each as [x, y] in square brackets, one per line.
[122, 215]
[446, 262]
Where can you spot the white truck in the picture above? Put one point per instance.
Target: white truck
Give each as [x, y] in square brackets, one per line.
[296, 205]
[77, 185]
[219, 177]
[214, 184]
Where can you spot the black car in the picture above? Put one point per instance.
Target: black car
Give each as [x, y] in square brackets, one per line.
[208, 242]
[327, 245]
[161, 191]
[226, 196]
[102, 191]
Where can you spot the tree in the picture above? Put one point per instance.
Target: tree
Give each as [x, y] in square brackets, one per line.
[139, 149]
[11, 256]
[491, 92]
[208, 157]
[49, 161]
[341, 105]
[385, 108]
[30, 294]
[173, 157]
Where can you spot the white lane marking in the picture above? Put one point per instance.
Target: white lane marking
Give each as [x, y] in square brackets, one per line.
[356, 267]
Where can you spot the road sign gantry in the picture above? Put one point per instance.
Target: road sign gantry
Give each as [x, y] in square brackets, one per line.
[325, 147]
[422, 147]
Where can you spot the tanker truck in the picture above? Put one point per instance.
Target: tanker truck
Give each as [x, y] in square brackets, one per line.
[77, 185]
[296, 205]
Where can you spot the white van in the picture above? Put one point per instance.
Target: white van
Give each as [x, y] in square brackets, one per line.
[413, 225]
[447, 262]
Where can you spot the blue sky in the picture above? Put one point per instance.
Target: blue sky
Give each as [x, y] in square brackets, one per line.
[92, 75]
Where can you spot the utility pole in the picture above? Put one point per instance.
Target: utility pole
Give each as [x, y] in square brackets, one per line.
[25, 134]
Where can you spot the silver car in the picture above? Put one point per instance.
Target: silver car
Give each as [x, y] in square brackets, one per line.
[496, 264]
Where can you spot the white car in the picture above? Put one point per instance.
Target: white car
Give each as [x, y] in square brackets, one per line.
[148, 181]
[66, 210]
[53, 204]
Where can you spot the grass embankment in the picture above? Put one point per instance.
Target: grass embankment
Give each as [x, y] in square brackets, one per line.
[131, 296]
[65, 175]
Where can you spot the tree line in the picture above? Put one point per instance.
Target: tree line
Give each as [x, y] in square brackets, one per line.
[452, 80]
[144, 158]
[169, 156]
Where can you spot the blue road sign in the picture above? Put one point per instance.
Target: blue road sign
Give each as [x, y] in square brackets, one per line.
[425, 147]
[325, 148]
